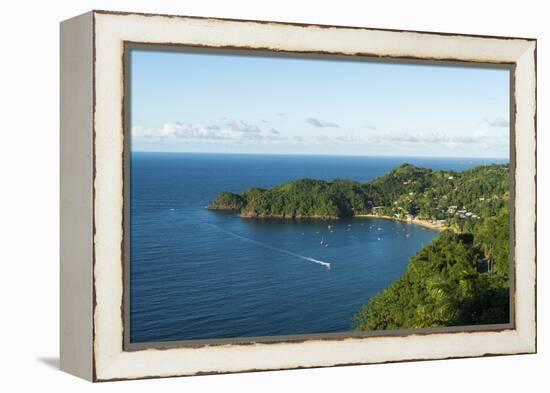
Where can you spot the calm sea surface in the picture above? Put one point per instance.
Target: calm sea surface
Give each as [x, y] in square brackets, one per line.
[198, 274]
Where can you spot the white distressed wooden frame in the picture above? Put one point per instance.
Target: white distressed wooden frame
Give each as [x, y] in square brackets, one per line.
[92, 144]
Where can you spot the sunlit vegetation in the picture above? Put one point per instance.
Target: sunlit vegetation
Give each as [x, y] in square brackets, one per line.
[406, 191]
[458, 279]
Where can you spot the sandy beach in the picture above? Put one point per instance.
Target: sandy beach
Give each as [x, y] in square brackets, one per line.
[423, 223]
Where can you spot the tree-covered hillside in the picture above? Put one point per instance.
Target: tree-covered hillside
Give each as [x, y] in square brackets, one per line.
[458, 279]
[298, 199]
[438, 195]
[405, 192]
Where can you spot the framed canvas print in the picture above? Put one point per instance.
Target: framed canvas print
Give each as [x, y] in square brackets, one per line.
[247, 195]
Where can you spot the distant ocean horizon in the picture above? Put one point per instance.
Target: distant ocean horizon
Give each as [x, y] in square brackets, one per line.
[487, 160]
[201, 274]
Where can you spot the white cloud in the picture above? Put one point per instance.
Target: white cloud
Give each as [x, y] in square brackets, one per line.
[241, 126]
[153, 133]
[235, 130]
[320, 123]
[484, 138]
[498, 122]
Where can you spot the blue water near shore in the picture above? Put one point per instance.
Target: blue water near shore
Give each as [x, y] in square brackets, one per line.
[200, 274]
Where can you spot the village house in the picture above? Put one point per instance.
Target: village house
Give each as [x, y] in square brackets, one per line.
[451, 209]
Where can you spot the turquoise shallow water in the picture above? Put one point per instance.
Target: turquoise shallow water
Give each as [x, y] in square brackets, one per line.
[198, 274]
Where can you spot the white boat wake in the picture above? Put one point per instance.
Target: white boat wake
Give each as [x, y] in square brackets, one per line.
[270, 247]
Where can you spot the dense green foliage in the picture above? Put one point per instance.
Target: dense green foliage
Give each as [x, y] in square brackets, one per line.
[461, 278]
[227, 201]
[493, 237]
[302, 198]
[406, 191]
[437, 195]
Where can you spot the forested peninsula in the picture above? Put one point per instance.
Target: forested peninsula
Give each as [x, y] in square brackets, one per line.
[461, 278]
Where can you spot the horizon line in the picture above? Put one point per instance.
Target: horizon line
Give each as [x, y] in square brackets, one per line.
[317, 154]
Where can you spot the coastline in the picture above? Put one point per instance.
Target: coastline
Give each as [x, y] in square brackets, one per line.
[423, 223]
[276, 216]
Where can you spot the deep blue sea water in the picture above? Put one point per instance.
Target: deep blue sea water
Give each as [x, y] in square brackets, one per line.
[199, 274]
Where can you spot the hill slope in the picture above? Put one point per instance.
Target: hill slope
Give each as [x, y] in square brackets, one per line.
[405, 191]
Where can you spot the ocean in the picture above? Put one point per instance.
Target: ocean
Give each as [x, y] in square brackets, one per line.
[201, 274]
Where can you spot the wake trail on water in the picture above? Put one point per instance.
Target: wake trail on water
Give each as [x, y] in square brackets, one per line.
[270, 247]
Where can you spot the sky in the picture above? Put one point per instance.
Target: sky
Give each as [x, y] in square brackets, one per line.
[221, 103]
